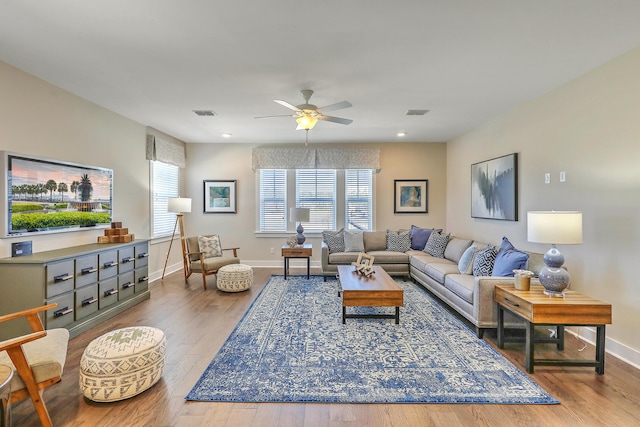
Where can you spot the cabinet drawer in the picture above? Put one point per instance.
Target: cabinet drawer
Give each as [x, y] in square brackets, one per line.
[126, 285]
[126, 260]
[62, 315]
[86, 301]
[141, 253]
[108, 292]
[108, 264]
[86, 270]
[141, 279]
[512, 303]
[59, 277]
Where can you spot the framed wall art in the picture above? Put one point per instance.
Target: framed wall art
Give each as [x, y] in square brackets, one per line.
[411, 196]
[494, 188]
[220, 196]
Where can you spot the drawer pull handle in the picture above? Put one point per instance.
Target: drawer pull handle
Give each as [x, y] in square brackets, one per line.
[143, 279]
[143, 255]
[110, 264]
[88, 270]
[508, 301]
[127, 259]
[89, 301]
[127, 285]
[110, 292]
[61, 312]
[62, 277]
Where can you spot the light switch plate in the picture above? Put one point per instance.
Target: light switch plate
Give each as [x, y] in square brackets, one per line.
[563, 176]
[547, 178]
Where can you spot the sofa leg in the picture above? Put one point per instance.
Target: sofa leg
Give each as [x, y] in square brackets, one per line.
[480, 332]
[325, 278]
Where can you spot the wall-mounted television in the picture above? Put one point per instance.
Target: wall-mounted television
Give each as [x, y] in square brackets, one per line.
[46, 196]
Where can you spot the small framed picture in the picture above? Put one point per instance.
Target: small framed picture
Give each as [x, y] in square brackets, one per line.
[411, 196]
[220, 196]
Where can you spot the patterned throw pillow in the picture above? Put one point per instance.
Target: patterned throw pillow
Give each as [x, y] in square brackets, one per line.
[437, 244]
[334, 240]
[210, 246]
[483, 262]
[465, 265]
[398, 242]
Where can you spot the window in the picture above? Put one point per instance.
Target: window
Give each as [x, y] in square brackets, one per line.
[164, 184]
[336, 198]
[273, 199]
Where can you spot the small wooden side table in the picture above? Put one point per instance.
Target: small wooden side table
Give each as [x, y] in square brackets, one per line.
[538, 309]
[303, 251]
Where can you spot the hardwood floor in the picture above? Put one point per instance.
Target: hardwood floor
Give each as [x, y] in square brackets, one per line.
[197, 322]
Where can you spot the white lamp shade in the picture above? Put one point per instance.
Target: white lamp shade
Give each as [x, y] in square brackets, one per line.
[299, 214]
[179, 204]
[555, 227]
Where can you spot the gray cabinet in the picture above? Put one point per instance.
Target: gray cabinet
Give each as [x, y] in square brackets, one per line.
[90, 283]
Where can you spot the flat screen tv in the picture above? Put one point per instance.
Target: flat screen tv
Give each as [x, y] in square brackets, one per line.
[45, 196]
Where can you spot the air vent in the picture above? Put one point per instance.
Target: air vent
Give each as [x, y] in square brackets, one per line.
[416, 112]
[205, 112]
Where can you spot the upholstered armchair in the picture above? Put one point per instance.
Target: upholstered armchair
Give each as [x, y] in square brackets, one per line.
[204, 255]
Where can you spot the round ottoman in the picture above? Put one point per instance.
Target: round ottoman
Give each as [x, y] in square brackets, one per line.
[235, 278]
[122, 363]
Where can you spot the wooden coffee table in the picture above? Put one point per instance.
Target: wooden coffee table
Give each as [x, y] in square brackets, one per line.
[378, 290]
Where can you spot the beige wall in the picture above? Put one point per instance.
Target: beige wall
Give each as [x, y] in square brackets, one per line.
[589, 128]
[233, 161]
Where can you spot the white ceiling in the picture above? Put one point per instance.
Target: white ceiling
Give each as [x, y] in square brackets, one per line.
[154, 61]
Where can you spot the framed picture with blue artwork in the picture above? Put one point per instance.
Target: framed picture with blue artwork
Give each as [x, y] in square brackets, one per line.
[219, 196]
[411, 196]
[494, 188]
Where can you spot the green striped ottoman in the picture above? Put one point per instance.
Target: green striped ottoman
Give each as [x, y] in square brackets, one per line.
[122, 363]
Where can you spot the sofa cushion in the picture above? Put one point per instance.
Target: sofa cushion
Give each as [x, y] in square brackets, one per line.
[398, 241]
[465, 265]
[483, 263]
[388, 257]
[455, 248]
[462, 285]
[334, 240]
[343, 258]
[508, 259]
[375, 241]
[353, 241]
[419, 237]
[437, 244]
[420, 261]
[438, 270]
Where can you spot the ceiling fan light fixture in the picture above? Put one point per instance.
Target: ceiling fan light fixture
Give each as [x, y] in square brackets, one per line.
[306, 122]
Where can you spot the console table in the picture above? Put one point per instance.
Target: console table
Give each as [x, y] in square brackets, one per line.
[90, 283]
[538, 309]
[303, 251]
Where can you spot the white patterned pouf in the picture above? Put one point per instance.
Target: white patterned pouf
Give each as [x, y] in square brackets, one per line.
[122, 363]
[235, 278]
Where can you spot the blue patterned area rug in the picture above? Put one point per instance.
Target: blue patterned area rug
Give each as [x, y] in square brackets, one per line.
[291, 346]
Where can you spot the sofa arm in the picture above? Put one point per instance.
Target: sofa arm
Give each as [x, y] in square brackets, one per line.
[324, 255]
[484, 309]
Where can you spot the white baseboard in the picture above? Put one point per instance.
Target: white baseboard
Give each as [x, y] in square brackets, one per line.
[613, 347]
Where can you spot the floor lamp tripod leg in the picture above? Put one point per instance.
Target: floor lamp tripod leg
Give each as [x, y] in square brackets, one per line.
[170, 244]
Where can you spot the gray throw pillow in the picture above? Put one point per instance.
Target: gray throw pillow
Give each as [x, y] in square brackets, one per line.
[465, 265]
[334, 240]
[353, 241]
[483, 263]
[398, 242]
[437, 244]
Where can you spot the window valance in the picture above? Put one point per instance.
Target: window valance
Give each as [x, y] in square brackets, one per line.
[166, 151]
[316, 158]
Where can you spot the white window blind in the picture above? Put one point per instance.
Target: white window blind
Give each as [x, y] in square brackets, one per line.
[273, 199]
[358, 199]
[165, 184]
[316, 190]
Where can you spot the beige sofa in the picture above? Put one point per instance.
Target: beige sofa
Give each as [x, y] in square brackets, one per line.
[471, 296]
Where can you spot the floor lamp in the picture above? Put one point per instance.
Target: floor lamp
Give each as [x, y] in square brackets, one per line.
[178, 205]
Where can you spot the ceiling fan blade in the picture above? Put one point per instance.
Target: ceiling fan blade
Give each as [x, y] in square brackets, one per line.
[286, 104]
[336, 106]
[279, 115]
[335, 120]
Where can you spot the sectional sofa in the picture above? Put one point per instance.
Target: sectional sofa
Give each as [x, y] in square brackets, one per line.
[469, 295]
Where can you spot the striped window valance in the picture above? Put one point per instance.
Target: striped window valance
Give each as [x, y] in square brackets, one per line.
[166, 151]
[316, 158]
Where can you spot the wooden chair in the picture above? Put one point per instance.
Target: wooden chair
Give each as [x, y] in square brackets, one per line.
[197, 261]
[38, 358]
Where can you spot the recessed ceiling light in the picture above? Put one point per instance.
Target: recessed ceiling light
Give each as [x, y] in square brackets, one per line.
[226, 135]
[204, 113]
[416, 112]
[401, 134]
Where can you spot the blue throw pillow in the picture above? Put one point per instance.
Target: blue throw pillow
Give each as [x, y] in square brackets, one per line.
[509, 259]
[420, 236]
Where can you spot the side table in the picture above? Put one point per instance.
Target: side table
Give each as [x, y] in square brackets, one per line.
[303, 251]
[6, 373]
[538, 309]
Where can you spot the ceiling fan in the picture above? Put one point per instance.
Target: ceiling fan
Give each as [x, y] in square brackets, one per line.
[307, 115]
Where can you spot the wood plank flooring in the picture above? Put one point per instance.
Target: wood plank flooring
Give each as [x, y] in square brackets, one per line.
[197, 322]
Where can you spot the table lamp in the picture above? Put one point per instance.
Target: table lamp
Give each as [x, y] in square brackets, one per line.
[179, 206]
[554, 227]
[299, 215]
